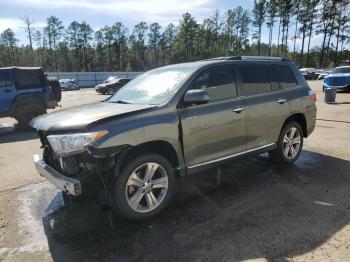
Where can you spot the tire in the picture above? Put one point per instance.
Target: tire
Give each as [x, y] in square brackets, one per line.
[280, 154]
[131, 184]
[56, 88]
[26, 113]
[110, 91]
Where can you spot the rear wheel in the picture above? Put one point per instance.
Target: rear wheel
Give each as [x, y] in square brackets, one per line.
[26, 113]
[290, 144]
[144, 187]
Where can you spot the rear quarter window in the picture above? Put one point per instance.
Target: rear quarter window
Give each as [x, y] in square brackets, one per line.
[29, 78]
[285, 76]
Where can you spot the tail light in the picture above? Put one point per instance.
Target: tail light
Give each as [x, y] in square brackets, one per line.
[312, 95]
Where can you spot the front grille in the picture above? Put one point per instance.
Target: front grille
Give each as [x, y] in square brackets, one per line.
[48, 154]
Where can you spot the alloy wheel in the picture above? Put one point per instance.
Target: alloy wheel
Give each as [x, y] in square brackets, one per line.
[146, 187]
[291, 143]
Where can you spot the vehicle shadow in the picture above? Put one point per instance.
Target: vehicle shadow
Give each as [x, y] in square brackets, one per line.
[10, 135]
[249, 209]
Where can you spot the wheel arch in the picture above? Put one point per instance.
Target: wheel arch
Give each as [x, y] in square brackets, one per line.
[26, 99]
[160, 147]
[299, 118]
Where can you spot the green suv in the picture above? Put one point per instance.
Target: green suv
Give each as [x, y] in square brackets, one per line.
[172, 121]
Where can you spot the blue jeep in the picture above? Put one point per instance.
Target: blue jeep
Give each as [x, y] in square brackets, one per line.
[338, 79]
[26, 93]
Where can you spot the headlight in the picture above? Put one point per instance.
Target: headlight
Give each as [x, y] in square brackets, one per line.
[69, 144]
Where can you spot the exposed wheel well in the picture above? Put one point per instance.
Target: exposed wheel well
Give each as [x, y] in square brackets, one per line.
[163, 148]
[300, 118]
[25, 100]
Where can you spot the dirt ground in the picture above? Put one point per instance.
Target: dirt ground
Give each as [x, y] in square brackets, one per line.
[251, 211]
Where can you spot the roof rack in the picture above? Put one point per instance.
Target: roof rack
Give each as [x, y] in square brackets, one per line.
[271, 58]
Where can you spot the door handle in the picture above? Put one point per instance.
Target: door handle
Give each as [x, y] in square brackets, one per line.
[238, 109]
[7, 90]
[281, 100]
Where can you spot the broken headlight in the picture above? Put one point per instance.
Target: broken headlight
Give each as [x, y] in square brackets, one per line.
[70, 144]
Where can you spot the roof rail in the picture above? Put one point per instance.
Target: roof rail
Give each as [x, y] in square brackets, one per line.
[216, 58]
[273, 58]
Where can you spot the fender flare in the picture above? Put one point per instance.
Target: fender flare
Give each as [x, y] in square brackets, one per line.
[26, 99]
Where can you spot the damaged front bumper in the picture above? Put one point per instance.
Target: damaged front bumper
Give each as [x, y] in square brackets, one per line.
[66, 184]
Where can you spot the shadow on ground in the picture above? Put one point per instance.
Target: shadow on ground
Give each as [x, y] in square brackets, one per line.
[15, 135]
[252, 210]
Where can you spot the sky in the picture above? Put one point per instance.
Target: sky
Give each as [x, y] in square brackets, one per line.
[101, 13]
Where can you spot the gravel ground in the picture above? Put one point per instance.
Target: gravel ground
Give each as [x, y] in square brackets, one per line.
[252, 210]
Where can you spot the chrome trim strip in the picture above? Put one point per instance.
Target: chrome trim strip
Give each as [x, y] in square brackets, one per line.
[230, 156]
[336, 87]
[66, 184]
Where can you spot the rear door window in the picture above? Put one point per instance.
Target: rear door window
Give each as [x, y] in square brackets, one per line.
[255, 79]
[285, 76]
[219, 82]
[5, 79]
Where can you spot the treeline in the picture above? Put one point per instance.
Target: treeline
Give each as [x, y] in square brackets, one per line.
[290, 25]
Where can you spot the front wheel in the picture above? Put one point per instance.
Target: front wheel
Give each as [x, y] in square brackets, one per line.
[144, 187]
[289, 145]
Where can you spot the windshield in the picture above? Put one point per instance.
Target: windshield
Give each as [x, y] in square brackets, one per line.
[341, 70]
[153, 88]
[109, 79]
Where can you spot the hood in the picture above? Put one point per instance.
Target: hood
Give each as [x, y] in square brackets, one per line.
[339, 75]
[100, 86]
[337, 79]
[77, 118]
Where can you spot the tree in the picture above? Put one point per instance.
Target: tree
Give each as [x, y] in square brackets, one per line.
[271, 9]
[312, 16]
[325, 25]
[242, 22]
[86, 34]
[154, 37]
[9, 41]
[188, 31]
[167, 42]
[112, 48]
[53, 31]
[119, 33]
[73, 35]
[259, 11]
[29, 29]
[140, 39]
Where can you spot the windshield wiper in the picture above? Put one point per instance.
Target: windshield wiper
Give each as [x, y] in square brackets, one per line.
[120, 102]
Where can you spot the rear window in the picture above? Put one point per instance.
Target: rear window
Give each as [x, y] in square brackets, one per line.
[5, 79]
[285, 76]
[255, 79]
[29, 78]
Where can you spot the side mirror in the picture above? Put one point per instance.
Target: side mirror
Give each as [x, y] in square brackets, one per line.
[196, 96]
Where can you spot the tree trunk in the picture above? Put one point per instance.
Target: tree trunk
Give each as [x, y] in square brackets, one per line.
[310, 30]
[278, 39]
[329, 41]
[336, 48]
[109, 57]
[323, 45]
[295, 36]
[270, 38]
[259, 40]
